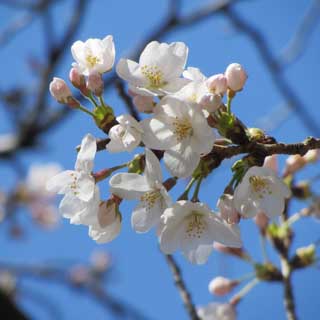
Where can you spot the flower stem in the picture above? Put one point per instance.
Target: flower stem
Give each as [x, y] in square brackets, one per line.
[244, 291]
[185, 194]
[195, 197]
[102, 101]
[82, 108]
[229, 99]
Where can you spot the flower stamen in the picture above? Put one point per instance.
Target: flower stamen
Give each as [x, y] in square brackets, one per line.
[154, 75]
[195, 225]
[260, 185]
[182, 128]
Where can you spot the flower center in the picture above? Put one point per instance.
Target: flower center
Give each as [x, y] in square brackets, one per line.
[150, 198]
[92, 60]
[182, 128]
[260, 185]
[154, 75]
[74, 184]
[195, 225]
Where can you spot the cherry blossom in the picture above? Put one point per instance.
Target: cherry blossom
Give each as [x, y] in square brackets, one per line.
[93, 55]
[148, 188]
[260, 190]
[182, 131]
[158, 71]
[193, 228]
[217, 311]
[126, 135]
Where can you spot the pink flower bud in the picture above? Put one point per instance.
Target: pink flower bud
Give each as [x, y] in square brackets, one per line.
[271, 162]
[236, 76]
[95, 83]
[293, 164]
[312, 156]
[210, 101]
[221, 286]
[239, 252]
[262, 221]
[60, 90]
[76, 78]
[108, 212]
[217, 84]
[143, 103]
[227, 210]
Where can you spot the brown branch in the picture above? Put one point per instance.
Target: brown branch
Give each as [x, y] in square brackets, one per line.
[225, 152]
[183, 291]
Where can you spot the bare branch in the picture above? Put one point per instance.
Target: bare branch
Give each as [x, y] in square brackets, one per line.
[183, 291]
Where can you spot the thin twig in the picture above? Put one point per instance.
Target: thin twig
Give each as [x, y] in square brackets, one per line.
[183, 291]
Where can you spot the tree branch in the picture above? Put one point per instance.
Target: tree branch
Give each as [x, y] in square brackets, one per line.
[183, 291]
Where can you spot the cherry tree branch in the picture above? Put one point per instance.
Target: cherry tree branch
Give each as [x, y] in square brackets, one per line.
[183, 291]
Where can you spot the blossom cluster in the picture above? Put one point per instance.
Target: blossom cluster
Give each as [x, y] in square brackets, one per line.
[185, 115]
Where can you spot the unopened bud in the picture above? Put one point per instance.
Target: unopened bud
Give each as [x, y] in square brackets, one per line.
[301, 190]
[108, 212]
[312, 156]
[76, 78]
[143, 103]
[217, 84]
[304, 256]
[271, 162]
[256, 134]
[236, 76]
[210, 101]
[60, 90]
[95, 84]
[227, 210]
[239, 252]
[262, 222]
[293, 164]
[221, 286]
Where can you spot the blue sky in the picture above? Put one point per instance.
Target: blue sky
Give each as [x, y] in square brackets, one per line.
[141, 276]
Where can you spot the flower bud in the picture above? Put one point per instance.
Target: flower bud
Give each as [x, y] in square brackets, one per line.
[95, 84]
[304, 256]
[76, 78]
[239, 252]
[227, 210]
[221, 286]
[60, 90]
[271, 162]
[143, 103]
[262, 222]
[312, 156]
[236, 76]
[211, 102]
[217, 84]
[101, 261]
[293, 164]
[108, 212]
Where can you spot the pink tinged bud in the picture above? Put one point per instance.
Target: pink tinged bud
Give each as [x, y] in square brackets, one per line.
[107, 214]
[236, 76]
[95, 83]
[271, 162]
[217, 84]
[76, 78]
[261, 221]
[239, 252]
[293, 164]
[227, 210]
[312, 156]
[60, 90]
[143, 103]
[210, 101]
[221, 286]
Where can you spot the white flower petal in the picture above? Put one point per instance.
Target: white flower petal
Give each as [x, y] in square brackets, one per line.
[86, 154]
[181, 160]
[106, 234]
[152, 170]
[128, 185]
[194, 74]
[85, 187]
[130, 71]
[60, 183]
